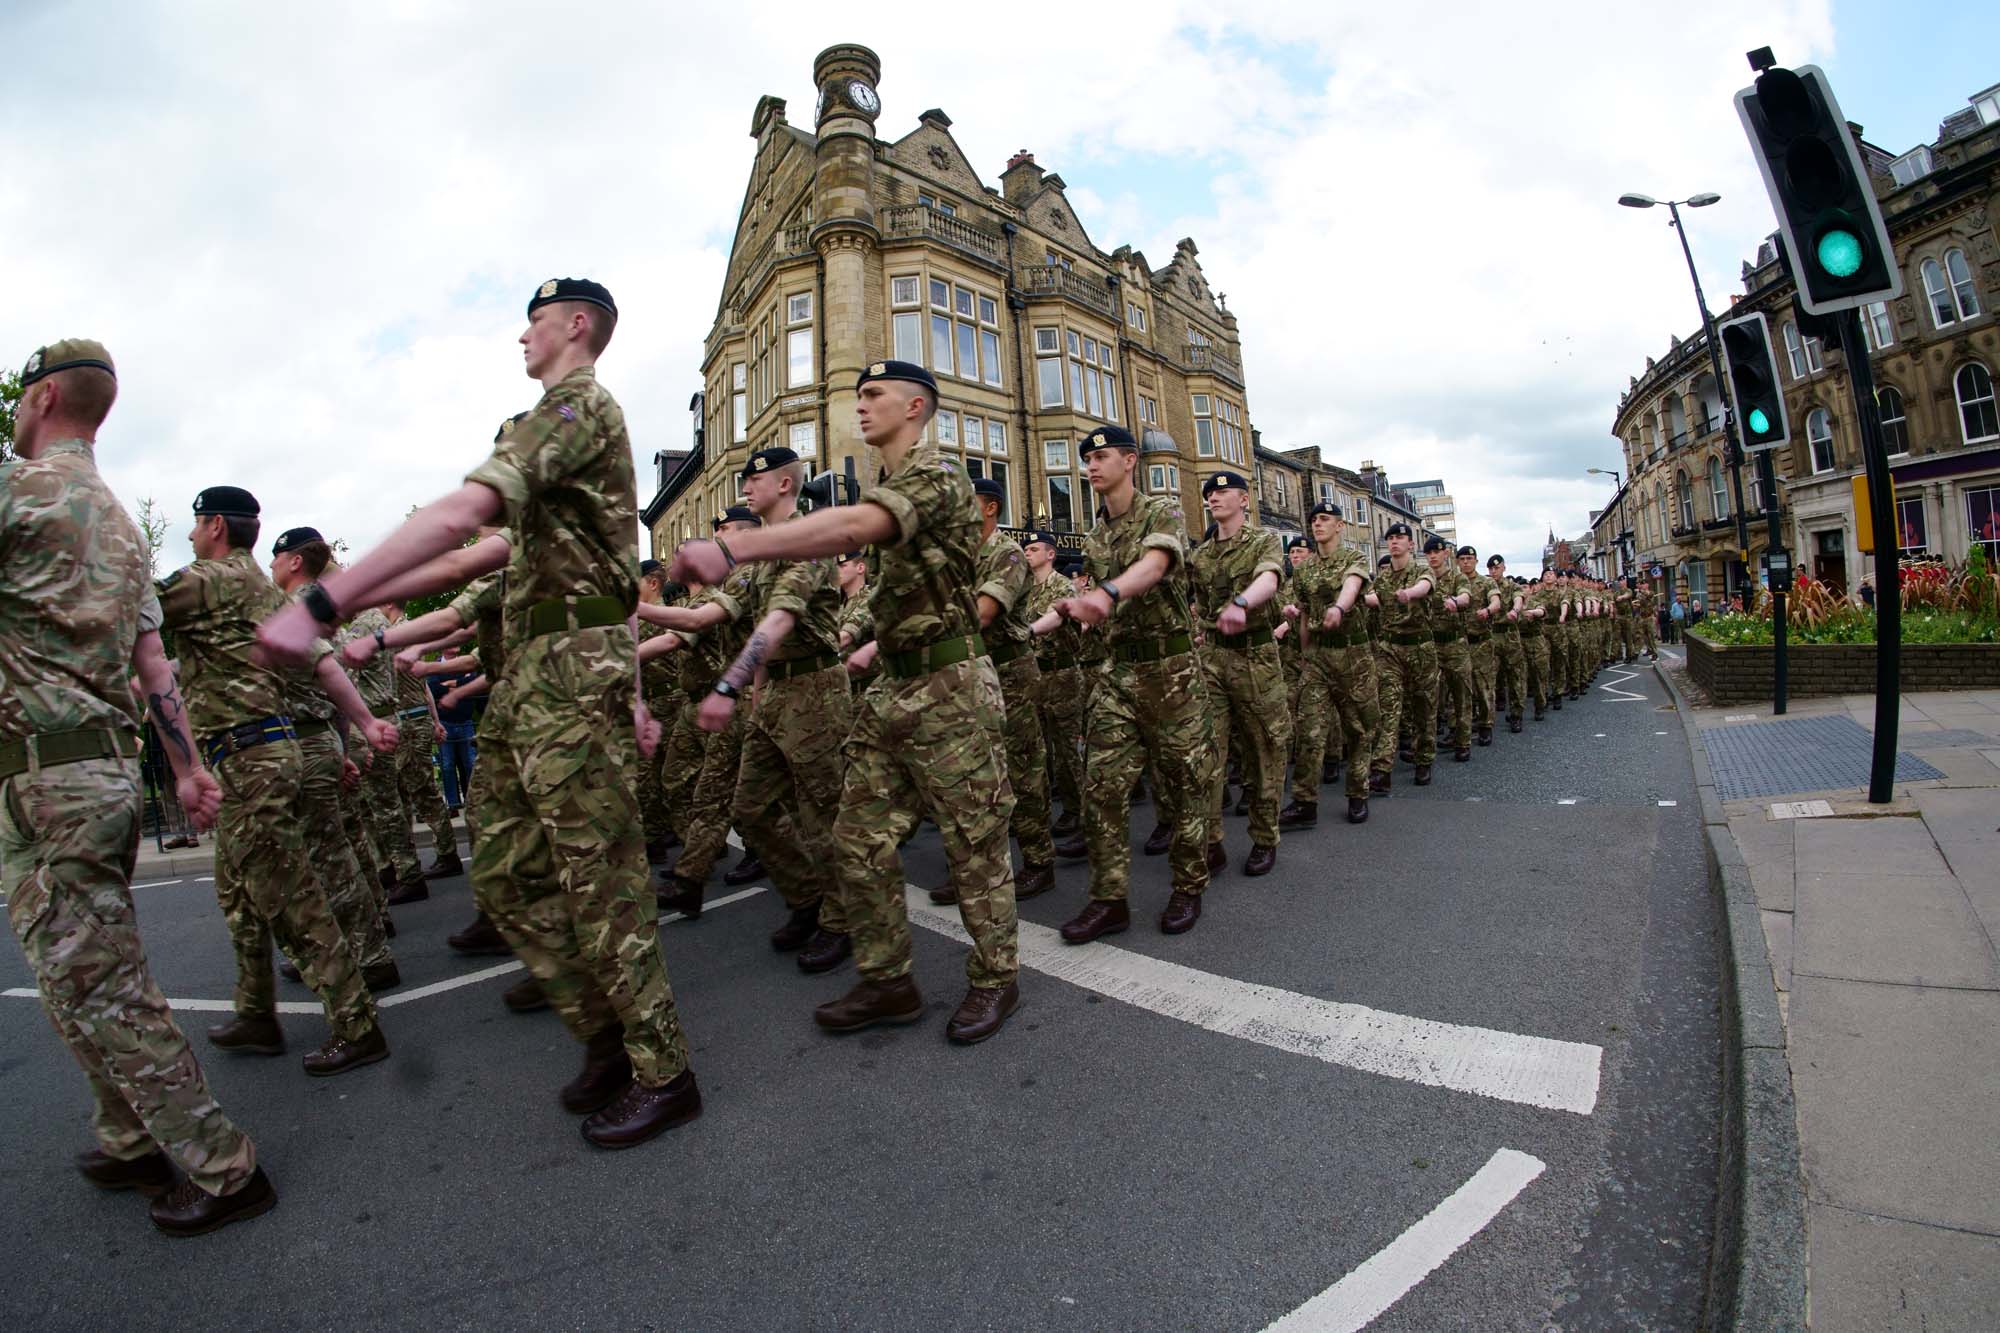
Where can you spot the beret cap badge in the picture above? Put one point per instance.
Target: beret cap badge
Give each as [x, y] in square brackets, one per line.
[878, 369]
[548, 288]
[34, 363]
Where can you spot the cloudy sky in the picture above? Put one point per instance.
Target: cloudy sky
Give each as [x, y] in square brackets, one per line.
[307, 234]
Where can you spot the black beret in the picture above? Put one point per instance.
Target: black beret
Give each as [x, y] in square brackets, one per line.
[846, 556]
[1325, 507]
[769, 460]
[737, 514]
[229, 501]
[66, 354]
[507, 427]
[1398, 530]
[1383, 563]
[572, 289]
[1107, 437]
[1493, 560]
[291, 539]
[908, 371]
[1467, 550]
[1295, 543]
[1045, 537]
[648, 568]
[989, 489]
[1224, 481]
[1435, 544]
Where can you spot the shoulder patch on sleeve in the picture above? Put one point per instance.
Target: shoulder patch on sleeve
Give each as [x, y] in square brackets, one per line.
[566, 412]
[170, 580]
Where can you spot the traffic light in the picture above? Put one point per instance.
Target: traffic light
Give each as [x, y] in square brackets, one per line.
[1753, 383]
[830, 488]
[1827, 215]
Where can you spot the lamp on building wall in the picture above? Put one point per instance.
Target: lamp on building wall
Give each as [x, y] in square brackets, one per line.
[1703, 200]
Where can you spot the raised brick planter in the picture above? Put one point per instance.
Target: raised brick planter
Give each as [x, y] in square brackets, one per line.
[1741, 673]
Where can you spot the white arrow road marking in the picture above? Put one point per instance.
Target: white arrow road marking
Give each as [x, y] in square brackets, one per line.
[1620, 696]
[1361, 1297]
[1536, 1071]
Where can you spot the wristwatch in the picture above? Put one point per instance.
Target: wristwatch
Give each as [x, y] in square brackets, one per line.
[725, 689]
[319, 605]
[381, 644]
[1240, 600]
[1111, 591]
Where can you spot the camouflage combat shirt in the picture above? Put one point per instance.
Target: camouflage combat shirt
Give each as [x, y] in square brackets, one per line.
[1318, 583]
[1004, 576]
[479, 606]
[1450, 582]
[1222, 567]
[1043, 594]
[809, 589]
[1153, 523]
[74, 596]
[921, 578]
[375, 680]
[1393, 617]
[213, 608]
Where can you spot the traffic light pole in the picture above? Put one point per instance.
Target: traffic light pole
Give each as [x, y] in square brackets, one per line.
[1721, 392]
[1888, 577]
[1781, 581]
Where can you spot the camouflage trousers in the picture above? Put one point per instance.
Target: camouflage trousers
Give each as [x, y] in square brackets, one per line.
[1510, 670]
[931, 744]
[1484, 662]
[354, 823]
[1247, 693]
[682, 748]
[709, 796]
[1407, 684]
[1646, 634]
[1454, 658]
[387, 816]
[653, 772]
[69, 836]
[267, 886]
[1536, 665]
[477, 793]
[1556, 639]
[353, 899]
[1059, 705]
[1295, 679]
[1148, 714]
[788, 786]
[1027, 759]
[1336, 694]
[417, 779]
[560, 863]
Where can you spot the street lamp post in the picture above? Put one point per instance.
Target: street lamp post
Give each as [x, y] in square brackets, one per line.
[1703, 200]
[1627, 557]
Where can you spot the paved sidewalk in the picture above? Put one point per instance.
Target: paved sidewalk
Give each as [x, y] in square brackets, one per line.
[154, 864]
[1881, 923]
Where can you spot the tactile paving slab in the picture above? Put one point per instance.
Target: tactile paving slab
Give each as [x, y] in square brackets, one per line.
[1800, 754]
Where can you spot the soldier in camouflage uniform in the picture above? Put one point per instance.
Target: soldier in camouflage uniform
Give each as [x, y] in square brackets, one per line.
[383, 806]
[927, 737]
[1645, 607]
[1291, 656]
[1151, 705]
[1408, 604]
[416, 770]
[788, 781]
[1059, 694]
[1234, 575]
[1509, 656]
[265, 878]
[560, 862]
[321, 729]
[1480, 625]
[78, 621]
[1535, 640]
[855, 626]
[659, 682]
[1339, 670]
[1448, 632]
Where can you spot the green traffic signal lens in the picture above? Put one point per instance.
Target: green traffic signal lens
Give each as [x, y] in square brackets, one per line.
[1759, 422]
[1840, 253]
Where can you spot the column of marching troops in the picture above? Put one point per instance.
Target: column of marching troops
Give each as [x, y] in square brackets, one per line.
[821, 683]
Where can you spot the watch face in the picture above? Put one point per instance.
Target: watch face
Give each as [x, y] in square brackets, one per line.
[864, 97]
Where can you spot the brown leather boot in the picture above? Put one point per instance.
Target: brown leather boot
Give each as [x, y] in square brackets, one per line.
[190, 1210]
[1034, 881]
[1423, 778]
[445, 865]
[870, 1002]
[151, 1175]
[1486, 735]
[798, 929]
[525, 996]
[340, 1055]
[1073, 848]
[825, 951]
[674, 894]
[1299, 814]
[1218, 860]
[384, 975]
[743, 872]
[289, 970]
[1183, 910]
[1099, 917]
[606, 1071]
[982, 1013]
[481, 937]
[1357, 809]
[1378, 782]
[1462, 754]
[409, 891]
[641, 1113]
[1161, 838]
[1261, 861]
[948, 894]
[1069, 823]
[258, 1036]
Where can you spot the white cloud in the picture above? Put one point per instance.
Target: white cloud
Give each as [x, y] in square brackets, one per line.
[307, 236]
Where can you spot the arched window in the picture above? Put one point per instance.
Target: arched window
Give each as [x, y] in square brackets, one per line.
[1819, 439]
[1948, 289]
[1718, 494]
[1895, 423]
[1684, 498]
[1753, 490]
[1960, 276]
[1977, 417]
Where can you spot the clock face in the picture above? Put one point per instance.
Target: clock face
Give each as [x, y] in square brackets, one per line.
[864, 97]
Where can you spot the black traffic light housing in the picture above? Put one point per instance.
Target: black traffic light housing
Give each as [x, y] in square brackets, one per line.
[830, 488]
[1753, 383]
[1828, 219]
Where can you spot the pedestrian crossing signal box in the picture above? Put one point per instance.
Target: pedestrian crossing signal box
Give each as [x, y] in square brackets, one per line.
[1864, 516]
[1779, 562]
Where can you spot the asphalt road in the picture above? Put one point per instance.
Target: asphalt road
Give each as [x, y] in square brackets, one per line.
[1113, 1160]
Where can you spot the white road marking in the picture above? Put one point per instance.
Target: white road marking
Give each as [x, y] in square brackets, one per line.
[1619, 696]
[1568, 800]
[1598, 736]
[1801, 809]
[1361, 1297]
[400, 997]
[157, 884]
[1674, 803]
[1740, 717]
[1659, 733]
[1536, 1071]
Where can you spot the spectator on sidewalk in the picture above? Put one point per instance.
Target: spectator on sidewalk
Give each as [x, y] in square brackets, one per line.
[1867, 591]
[1677, 618]
[457, 754]
[1695, 614]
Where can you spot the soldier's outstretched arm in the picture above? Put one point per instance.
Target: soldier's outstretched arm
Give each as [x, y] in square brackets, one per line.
[658, 646]
[199, 792]
[477, 685]
[408, 659]
[692, 618]
[454, 567]
[380, 732]
[823, 532]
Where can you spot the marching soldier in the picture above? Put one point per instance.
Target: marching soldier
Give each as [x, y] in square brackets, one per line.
[855, 626]
[927, 738]
[1510, 658]
[416, 769]
[663, 699]
[561, 860]
[1645, 607]
[1338, 669]
[1405, 598]
[78, 622]
[1059, 697]
[1448, 632]
[1149, 701]
[1480, 628]
[1234, 576]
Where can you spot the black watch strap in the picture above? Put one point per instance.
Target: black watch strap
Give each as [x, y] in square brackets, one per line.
[725, 689]
[319, 605]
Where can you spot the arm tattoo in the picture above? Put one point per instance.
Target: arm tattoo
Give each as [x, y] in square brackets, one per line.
[167, 712]
[746, 663]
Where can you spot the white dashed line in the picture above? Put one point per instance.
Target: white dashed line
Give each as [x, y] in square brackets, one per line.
[157, 884]
[1598, 736]
[1567, 800]
[1506, 1066]
[1364, 1294]
[1670, 803]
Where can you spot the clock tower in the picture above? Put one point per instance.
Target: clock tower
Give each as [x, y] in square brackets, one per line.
[844, 230]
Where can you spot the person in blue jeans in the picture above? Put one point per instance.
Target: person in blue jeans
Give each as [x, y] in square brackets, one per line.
[458, 752]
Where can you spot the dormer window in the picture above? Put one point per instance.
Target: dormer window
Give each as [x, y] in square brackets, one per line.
[1911, 165]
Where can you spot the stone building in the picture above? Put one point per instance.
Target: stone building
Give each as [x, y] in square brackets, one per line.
[851, 248]
[1290, 482]
[1934, 353]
